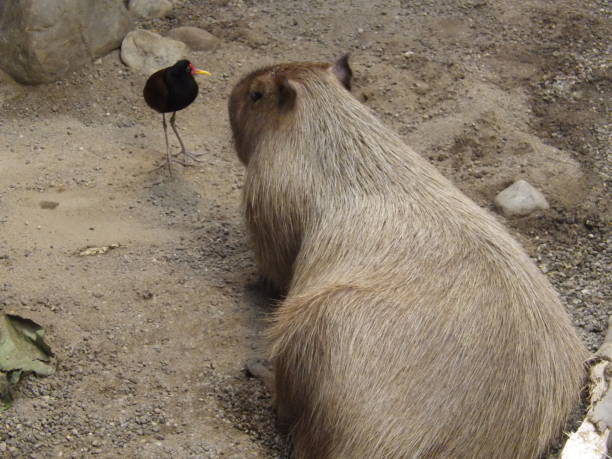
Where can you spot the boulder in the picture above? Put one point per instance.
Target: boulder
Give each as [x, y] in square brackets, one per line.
[150, 9]
[41, 41]
[520, 199]
[197, 39]
[146, 52]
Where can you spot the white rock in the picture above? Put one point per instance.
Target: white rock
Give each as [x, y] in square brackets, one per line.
[146, 52]
[150, 8]
[586, 443]
[520, 199]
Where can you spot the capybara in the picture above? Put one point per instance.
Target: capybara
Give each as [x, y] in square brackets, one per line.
[413, 324]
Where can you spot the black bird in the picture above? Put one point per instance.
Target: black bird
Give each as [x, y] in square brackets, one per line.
[170, 90]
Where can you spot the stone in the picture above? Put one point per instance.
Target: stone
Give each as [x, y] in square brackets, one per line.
[421, 88]
[520, 199]
[41, 42]
[150, 9]
[146, 52]
[197, 39]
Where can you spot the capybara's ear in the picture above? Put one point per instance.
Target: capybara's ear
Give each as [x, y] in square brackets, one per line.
[343, 71]
[286, 92]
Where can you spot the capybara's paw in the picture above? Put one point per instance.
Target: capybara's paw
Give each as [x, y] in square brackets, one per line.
[259, 368]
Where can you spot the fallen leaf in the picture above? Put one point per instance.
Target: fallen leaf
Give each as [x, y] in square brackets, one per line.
[22, 348]
[87, 251]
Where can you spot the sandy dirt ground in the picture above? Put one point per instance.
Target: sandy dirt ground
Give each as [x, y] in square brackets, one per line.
[150, 339]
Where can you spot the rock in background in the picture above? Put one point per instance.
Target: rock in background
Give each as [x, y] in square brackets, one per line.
[146, 52]
[42, 41]
[150, 9]
[197, 39]
[520, 199]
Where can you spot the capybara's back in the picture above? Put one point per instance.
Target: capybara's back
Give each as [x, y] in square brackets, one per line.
[413, 325]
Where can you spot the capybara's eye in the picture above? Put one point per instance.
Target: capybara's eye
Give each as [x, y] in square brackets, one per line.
[255, 96]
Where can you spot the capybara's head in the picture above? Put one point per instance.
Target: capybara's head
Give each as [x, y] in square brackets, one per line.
[267, 100]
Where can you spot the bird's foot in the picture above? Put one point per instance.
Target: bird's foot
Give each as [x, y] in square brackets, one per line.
[193, 156]
[168, 164]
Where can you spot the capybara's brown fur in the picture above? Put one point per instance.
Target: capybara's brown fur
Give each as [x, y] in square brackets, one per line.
[413, 325]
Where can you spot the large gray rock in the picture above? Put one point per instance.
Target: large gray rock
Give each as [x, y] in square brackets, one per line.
[151, 8]
[197, 39]
[520, 199]
[146, 52]
[40, 41]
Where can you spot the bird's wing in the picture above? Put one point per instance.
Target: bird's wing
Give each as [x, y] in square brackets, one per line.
[156, 93]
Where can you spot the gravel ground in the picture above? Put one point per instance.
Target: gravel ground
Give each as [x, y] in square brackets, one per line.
[150, 339]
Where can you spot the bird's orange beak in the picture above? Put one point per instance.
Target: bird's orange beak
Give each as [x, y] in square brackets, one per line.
[195, 71]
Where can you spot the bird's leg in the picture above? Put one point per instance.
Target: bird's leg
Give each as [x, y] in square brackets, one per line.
[168, 156]
[187, 154]
[168, 159]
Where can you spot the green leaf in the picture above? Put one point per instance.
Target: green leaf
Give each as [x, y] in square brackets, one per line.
[22, 348]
